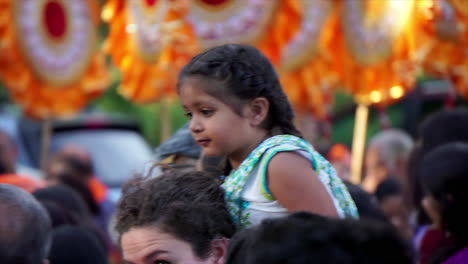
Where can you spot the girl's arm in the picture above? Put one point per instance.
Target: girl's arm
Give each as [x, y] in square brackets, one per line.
[297, 187]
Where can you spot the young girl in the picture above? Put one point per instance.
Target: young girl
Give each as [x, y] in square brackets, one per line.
[238, 110]
[444, 177]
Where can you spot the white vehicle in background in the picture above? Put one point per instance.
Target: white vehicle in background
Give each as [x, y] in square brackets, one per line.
[115, 143]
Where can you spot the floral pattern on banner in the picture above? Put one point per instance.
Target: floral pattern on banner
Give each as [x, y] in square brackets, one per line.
[444, 32]
[378, 53]
[309, 66]
[150, 42]
[48, 55]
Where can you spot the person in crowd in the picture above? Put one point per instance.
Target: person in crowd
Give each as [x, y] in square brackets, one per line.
[98, 189]
[213, 165]
[64, 205]
[444, 177]
[180, 150]
[71, 171]
[8, 173]
[77, 160]
[8, 153]
[440, 128]
[391, 199]
[72, 166]
[443, 127]
[24, 227]
[239, 111]
[303, 237]
[177, 217]
[366, 203]
[387, 154]
[75, 245]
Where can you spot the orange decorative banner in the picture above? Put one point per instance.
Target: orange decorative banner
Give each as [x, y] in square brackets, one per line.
[265, 24]
[444, 31]
[290, 33]
[218, 22]
[308, 66]
[378, 56]
[149, 42]
[48, 57]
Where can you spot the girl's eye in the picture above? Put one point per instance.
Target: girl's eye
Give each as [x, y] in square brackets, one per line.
[207, 112]
[188, 114]
[162, 262]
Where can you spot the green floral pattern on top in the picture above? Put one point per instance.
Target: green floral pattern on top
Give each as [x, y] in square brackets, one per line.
[235, 182]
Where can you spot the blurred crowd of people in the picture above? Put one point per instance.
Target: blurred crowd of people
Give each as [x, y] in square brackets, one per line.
[240, 184]
[412, 205]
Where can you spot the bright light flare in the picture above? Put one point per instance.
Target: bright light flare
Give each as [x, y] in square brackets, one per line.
[107, 13]
[131, 28]
[396, 92]
[402, 11]
[375, 97]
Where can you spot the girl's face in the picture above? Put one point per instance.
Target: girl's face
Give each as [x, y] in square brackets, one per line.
[151, 245]
[215, 126]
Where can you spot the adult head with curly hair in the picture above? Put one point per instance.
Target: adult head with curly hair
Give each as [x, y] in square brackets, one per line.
[178, 217]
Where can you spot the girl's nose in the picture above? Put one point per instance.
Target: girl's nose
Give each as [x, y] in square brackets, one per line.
[195, 126]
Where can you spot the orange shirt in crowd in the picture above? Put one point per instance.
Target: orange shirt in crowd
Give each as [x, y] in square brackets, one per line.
[98, 189]
[24, 182]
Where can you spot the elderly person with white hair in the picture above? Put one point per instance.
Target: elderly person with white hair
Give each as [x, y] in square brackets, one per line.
[386, 161]
[387, 156]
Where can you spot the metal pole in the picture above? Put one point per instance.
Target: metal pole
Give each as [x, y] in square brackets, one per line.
[359, 142]
[166, 125]
[45, 143]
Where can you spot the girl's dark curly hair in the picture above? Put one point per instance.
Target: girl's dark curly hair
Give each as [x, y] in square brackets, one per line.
[187, 205]
[238, 73]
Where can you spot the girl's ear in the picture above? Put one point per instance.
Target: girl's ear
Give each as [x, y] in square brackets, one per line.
[259, 109]
[219, 250]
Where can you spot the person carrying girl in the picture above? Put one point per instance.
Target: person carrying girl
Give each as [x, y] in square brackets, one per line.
[239, 110]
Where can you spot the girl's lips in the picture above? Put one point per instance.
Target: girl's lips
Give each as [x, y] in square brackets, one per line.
[203, 142]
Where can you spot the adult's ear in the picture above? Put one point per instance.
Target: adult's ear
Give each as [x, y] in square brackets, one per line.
[258, 110]
[219, 250]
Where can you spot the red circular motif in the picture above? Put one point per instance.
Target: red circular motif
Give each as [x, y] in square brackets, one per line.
[54, 19]
[151, 2]
[214, 2]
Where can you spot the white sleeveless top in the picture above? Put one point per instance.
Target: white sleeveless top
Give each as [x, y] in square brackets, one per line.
[249, 198]
[262, 203]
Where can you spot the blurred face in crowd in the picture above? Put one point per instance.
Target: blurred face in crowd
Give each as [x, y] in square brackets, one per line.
[375, 170]
[56, 168]
[8, 154]
[151, 245]
[395, 208]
